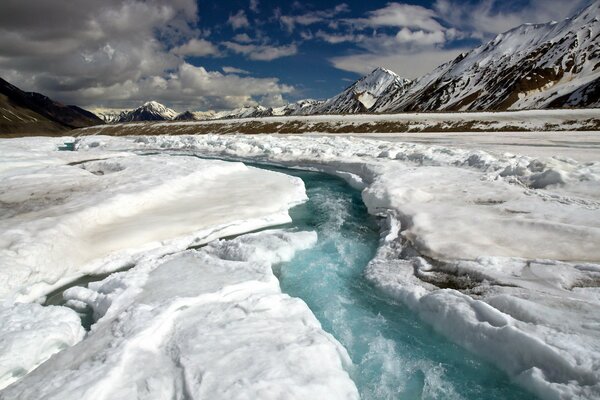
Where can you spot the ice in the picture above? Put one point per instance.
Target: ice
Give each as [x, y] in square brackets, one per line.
[62, 220]
[208, 323]
[30, 334]
[498, 251]
[70, 214]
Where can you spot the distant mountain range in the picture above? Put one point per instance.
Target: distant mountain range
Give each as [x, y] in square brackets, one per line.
[534, 66]
[33, 113]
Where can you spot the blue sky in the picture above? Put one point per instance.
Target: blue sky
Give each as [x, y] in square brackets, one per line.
[201, 54]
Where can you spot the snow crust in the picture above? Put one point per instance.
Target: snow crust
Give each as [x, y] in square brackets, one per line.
[497, 251]
[208, 323]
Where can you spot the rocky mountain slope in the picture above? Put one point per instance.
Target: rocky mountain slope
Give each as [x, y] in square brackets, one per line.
[362, 95]
[550, 65]
[33, 113]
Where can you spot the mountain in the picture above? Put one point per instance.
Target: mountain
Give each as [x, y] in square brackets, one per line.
[299, 107]
[533, 66]
[110, 115]
[33, 113]
[362, 95]
[149, 111]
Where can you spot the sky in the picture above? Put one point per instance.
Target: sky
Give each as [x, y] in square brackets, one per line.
[215, 55]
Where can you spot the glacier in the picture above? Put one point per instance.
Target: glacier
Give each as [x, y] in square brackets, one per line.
[496, 250]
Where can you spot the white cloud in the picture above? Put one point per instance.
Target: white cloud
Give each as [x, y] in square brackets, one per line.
[254, 6]
[401, 15]
[238, 20]
[197, 47]
[408, 65]
[242, 38]
[489, 17]
[262, 52]
[420, 37]
[335, 38]
[289, 22]
[234, 70]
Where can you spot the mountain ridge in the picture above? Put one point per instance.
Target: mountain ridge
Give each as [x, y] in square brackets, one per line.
[34, 113]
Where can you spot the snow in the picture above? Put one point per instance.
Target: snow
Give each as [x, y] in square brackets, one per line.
[208, 323]
[30, 334]
[498, 251]
[70, 214]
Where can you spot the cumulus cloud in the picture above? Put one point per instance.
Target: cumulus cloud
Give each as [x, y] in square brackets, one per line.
[262, 52]
[118, 53]
[238, 20]
[197, 47]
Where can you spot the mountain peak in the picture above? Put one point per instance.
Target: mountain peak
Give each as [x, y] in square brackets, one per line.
[149, 111]
[382, 71]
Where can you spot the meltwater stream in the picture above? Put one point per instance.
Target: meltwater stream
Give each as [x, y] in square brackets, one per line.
[395, 355]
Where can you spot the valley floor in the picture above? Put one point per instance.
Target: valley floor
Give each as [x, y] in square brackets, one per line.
[492, 239]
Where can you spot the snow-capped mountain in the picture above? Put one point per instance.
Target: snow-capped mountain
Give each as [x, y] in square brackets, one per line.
[362, 95]
[533, 66]
[110, 116]
[297, 108]
[550, 65]
[149, 111]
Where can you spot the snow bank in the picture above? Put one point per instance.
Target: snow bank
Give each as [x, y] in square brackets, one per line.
[209, 323]
[497, 251]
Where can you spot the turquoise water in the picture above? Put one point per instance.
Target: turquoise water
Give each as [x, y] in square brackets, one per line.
[395, 355]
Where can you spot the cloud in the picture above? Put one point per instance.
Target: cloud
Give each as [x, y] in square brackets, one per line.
[402, 15]
[118, 53]
[239, 20]
[242, 38]
[335, 38]
[262, 52]
[198, 48]
[289, 22]
[234, 70]
[407, 65]
[254, 6]
[189, 87]
[489, 17]
[420, 37]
